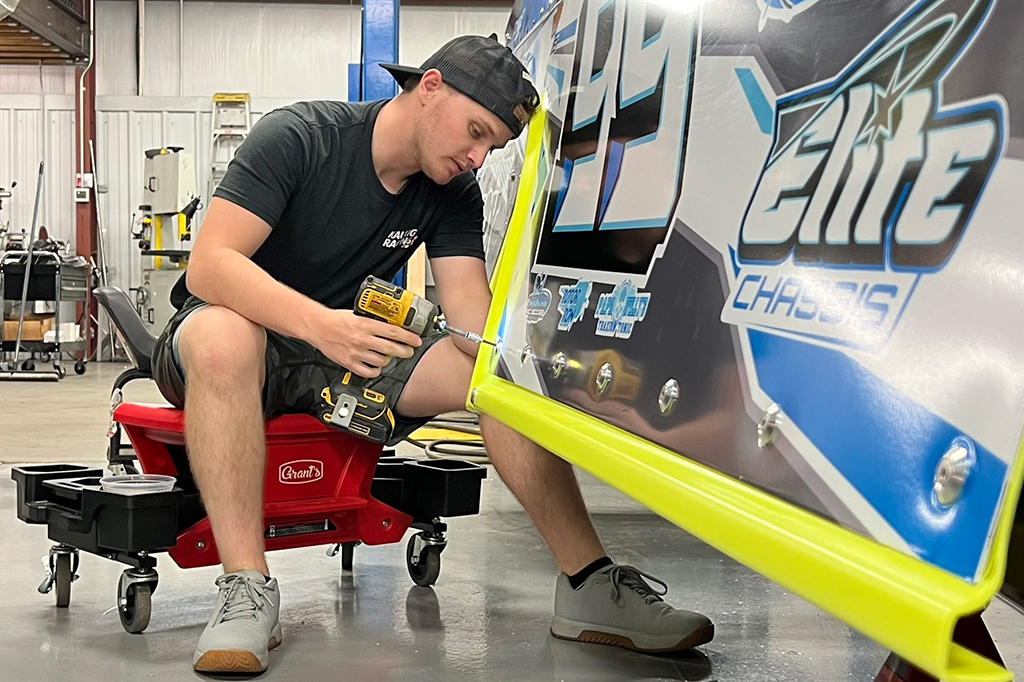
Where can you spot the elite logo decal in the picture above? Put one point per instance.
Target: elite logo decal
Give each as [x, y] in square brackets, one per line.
[870, 184]
[619, 311]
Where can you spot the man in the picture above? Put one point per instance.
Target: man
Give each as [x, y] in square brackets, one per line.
[319, 196]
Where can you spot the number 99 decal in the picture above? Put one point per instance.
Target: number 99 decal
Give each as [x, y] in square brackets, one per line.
[619, 168]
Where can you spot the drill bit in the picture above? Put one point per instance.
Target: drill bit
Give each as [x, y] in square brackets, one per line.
[442, 325]
[475, 338]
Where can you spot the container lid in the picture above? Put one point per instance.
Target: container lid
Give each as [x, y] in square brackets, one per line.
[132, 484]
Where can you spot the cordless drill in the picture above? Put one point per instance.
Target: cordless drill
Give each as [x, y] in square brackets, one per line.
[391, 303]
[360, 410]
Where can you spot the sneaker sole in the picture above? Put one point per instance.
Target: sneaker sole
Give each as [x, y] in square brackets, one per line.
[232, 660]
[702, 635]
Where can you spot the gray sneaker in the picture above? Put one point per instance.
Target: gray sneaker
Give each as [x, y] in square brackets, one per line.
[245, 626]
[617, 606]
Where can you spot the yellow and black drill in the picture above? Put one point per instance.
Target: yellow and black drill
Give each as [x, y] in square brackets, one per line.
[390, 303]
[362, 411]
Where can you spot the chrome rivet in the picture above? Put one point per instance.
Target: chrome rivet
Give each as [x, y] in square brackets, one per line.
[558, 364]
[604, 378]
[473, 394]
[201, 545]
[953, 471]
[512, 176]
[527, 352]
[768, 427]
[385, 524]
[668, 396]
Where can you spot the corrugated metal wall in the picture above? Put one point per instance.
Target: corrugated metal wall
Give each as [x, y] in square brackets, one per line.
[23, 80]
[34, 130]
[265, 49]
[423, 28]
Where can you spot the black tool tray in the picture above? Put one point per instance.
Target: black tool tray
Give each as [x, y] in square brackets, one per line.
[388, 483]
[79, 513]
[429, 488]
[33, 497]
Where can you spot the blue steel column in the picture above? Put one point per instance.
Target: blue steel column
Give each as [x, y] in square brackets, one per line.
[380, 46]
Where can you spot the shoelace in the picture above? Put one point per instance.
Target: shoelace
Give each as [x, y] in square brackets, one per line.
[243, 600]
[633, 579]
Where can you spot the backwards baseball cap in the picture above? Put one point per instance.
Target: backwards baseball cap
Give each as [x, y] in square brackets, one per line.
[485, 71]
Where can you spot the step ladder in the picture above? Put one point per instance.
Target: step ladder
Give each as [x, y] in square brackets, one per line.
[231, 123]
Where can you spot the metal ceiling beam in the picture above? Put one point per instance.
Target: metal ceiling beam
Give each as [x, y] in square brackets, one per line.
[6, 7]
[52, 24]
[18, 43]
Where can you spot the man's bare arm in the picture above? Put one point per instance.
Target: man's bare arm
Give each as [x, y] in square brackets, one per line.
[221, 272]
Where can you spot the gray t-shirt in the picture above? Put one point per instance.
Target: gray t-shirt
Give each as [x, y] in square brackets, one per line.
[307, 171]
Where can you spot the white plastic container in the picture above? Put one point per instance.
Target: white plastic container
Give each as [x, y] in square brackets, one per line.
[69, 333]
[137, 484]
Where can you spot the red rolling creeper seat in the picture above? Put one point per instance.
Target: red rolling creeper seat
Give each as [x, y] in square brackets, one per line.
[322, 486]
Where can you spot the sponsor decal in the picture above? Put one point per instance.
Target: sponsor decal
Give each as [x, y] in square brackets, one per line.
[539, 301]
[619, 311]
[573, 303]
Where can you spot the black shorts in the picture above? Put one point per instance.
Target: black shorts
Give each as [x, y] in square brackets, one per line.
[296, 373]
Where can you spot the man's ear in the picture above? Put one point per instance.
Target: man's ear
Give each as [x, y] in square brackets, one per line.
[430, 85]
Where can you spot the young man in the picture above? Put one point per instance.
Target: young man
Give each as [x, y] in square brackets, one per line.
[319, 196]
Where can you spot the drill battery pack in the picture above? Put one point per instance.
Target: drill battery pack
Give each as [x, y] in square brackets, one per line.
[360, 411]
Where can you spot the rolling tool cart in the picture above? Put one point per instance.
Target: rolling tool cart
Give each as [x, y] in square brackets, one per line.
[40, 275]
[322, 487]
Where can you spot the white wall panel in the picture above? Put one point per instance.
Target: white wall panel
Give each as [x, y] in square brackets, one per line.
[115, 48]
[27, 137]
[267, 50]
[424, 28]
[56, 80]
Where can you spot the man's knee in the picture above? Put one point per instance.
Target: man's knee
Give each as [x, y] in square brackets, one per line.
[439, 383]
[217, 343]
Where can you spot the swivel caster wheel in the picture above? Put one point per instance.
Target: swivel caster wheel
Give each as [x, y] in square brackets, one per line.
[423, 558]
[135, 599]
[59, 369]
[45, 357]
[62, 578]
[28, 366]
[348, 550]
[61, 570]
[80, 367]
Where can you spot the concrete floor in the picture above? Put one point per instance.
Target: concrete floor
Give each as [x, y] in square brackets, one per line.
[486, 619]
